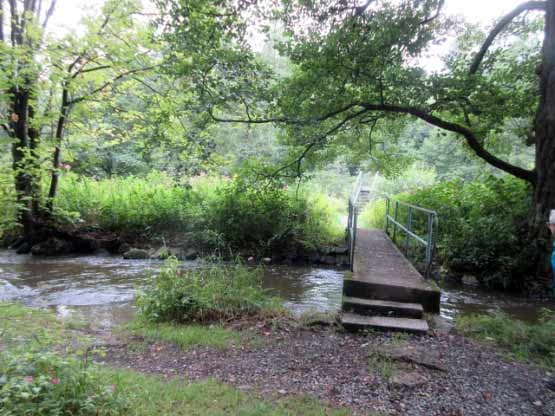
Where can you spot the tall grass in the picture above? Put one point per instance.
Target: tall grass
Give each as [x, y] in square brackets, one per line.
[210, 293]
[126, 204]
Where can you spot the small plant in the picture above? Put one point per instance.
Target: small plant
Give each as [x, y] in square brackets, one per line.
[380, 363]
[45, 384]
[212, 292]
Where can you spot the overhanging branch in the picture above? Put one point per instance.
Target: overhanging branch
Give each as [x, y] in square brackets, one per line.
[500, 26]
[471, 139]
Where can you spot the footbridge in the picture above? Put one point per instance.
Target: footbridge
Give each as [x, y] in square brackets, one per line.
[384, 290]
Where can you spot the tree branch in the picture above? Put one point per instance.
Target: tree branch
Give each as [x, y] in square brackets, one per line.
[500, 26]
[471, 139]
[49, 13]
[108, 83]
[285, 120]
[435, 15]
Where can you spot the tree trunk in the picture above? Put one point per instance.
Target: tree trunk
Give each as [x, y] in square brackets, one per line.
[57, 157]
[20, 151]
[544, 197]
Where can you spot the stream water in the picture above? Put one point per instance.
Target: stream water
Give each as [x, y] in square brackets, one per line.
[101, 288]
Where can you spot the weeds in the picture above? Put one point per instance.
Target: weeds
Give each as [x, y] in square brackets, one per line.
[527, 342]
[380, 363]
[42, 383]
[213, 292]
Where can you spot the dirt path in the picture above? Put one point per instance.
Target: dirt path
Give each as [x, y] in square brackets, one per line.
[334, 366]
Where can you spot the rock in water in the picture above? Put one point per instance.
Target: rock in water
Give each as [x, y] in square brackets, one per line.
[136, 254]
[52, 247]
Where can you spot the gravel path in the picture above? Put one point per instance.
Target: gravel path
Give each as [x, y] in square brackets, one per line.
[334, 367]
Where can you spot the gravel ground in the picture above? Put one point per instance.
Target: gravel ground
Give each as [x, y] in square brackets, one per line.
[334, 366]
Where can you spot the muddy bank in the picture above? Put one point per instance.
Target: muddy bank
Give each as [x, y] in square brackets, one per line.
[465, 378]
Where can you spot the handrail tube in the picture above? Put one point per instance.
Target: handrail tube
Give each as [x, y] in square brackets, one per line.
[428, 241]
[415, 236]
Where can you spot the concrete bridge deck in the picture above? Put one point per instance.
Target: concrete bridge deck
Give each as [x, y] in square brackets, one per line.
[385, 290]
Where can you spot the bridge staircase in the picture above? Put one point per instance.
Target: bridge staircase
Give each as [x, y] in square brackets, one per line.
[384, 291]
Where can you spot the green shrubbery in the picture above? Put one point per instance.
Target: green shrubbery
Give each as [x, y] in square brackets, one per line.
[245, 213]
[261, 215]
[528, 342]
[45, 384]
[481, 226]
[211, 292]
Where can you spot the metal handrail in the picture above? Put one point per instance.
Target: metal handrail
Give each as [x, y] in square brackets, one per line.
[353, 218]
[428, 241]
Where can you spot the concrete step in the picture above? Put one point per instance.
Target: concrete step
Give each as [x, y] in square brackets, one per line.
[393, 289]
[382, 308]
[356, 322]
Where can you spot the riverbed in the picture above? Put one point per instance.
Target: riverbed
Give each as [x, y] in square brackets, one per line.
[101, 288]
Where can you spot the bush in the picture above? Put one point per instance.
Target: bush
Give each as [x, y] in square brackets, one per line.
[263, 216]
[528, 342]
[45, 384]
[212, 292]
[481, 225]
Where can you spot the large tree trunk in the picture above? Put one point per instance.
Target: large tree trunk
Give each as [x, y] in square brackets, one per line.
[57, 156]
[19, 123]
[544, 197]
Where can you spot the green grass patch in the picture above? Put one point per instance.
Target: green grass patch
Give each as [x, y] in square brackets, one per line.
[20, 325]
[188, 336]
[151, 395]
[526, 342]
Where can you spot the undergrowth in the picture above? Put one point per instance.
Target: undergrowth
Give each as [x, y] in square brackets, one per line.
[212, 292]
[527, 342]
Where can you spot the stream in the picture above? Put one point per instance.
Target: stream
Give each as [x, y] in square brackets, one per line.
[100, 289]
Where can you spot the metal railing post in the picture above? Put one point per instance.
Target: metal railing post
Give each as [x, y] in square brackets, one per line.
[395, 220]
[427, 240]
[386, 214]
[409, 227]
[430, 243]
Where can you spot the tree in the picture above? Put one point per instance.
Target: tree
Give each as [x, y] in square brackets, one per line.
[20, 46]
[44, 79]
[358, 67]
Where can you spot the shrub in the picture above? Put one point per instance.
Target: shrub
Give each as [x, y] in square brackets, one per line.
[480, 226]
[45, 384]
[528, 342]
[261, 215]
[212, 292]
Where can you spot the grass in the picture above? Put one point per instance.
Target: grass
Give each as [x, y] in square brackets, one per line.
[49, 379]
[523, 341]
[216, 214]
[151, 395]
[381, 364]
[188, 336]
[20, 326]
